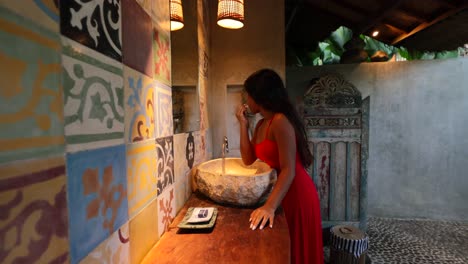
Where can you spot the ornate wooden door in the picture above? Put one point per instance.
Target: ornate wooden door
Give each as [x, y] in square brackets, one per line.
[336, 121]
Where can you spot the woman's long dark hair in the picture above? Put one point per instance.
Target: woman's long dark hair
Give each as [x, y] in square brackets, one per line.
[267, 89]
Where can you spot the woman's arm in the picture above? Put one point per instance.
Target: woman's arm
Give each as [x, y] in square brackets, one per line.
[284, 135]
[246, 145]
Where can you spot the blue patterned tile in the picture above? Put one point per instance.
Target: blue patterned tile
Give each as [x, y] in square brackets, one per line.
[97, 191]
[163, 110]
[139, 106]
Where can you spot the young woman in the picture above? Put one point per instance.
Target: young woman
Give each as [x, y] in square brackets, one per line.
[280, 140]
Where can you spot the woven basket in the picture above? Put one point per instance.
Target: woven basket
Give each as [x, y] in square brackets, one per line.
[348, 245]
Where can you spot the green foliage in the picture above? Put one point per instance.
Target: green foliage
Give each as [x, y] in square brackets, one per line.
[373, 45]
[330, 50]
[332, 47]
[426, 55]
[330, 54]
[340, 36]
[447, 54]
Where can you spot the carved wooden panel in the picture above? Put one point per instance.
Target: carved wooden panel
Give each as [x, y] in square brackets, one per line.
[333, 121]
[353, 184]
[321, 175]
[338, 195]
[333, 118]
[331, 91]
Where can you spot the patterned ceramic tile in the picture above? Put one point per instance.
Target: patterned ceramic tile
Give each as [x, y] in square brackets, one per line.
[160, 15]
[93, 95]
[165, 165]
[190, 150]
[95, 24]
[143, 232]
[182, 190]
[184, 152]
[166, 210]
[162, 56]
[31, 119]
[139, 106]
[114, 250]
[141, 175]
[33, 202]
[137, 37]
[42, 12]
[163, 110]
[97, 191]
[184, 156]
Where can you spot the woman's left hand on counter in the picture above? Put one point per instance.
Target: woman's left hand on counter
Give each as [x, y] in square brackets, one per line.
[261, 216]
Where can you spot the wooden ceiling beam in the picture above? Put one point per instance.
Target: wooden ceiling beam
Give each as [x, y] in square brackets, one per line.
[446, 3]
[352, 7]
[428, 24]
[412, 15]
[381, 15]
[337, 9]
[395, 29]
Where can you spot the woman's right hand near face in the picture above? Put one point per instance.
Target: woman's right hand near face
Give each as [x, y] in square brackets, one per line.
[240, 114]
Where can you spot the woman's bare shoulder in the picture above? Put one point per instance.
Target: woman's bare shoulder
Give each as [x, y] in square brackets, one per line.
[280, 116]
[281, 124]
[280, 119]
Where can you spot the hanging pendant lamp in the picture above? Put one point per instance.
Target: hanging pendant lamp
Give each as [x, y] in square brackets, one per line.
[231, 13]
[177, 16]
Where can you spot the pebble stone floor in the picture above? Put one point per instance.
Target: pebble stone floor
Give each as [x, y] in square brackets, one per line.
[409, 241]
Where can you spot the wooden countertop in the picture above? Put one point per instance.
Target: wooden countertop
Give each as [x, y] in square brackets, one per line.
[230, 241]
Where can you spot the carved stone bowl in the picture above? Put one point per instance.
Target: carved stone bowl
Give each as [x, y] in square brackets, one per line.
[239, 185]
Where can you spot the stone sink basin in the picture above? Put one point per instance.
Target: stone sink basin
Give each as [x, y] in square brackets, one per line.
[239, 185]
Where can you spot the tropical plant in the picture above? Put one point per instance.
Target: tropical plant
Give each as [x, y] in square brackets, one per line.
[330, 50]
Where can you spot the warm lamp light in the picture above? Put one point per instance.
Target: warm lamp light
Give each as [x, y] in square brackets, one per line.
[375, 33]
[177, 16]
[231, 13]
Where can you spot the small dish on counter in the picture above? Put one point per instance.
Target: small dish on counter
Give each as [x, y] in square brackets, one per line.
[199, 218]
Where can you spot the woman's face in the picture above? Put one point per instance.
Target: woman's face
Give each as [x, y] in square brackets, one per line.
[253, 107]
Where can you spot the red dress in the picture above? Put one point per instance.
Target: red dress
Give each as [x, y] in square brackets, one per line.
[301, 206]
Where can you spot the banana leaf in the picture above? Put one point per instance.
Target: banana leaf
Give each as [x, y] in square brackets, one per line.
[330, 50]
[340, 36]
[448, 54]
[373, 45]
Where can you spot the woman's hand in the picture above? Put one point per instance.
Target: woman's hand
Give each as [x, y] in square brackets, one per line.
[261, 216]
[240, 114]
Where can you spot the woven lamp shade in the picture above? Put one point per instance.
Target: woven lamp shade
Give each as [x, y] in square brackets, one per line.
[231, 13]
[177, 16]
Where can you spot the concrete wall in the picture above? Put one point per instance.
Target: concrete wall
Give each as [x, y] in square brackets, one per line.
[235, 54]
[418, 148]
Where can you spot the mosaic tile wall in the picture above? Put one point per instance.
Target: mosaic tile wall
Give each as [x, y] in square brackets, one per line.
[90, 170]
